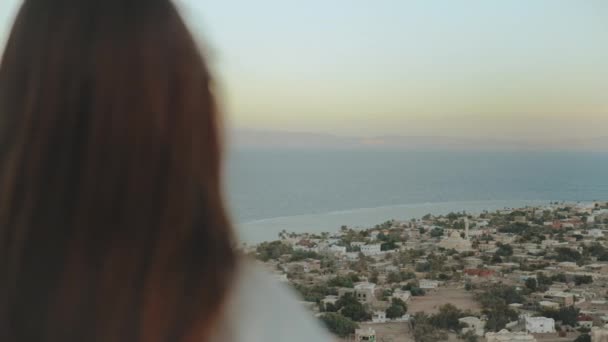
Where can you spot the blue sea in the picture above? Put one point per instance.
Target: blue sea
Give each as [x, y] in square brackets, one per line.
[303, 190]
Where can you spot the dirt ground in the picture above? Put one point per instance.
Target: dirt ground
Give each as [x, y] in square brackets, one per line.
[431, 302]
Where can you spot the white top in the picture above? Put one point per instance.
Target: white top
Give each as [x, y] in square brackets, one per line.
[263, 310]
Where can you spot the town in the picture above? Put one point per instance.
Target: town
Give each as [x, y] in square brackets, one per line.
[527, 274]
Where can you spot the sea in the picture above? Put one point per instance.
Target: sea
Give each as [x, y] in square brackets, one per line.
[319, 190]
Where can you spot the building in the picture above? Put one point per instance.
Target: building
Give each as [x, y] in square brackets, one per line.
[427, 284]
[330, 299]
[456, 242]
[599, 334]
[560, 297]
[507, 336]
[340, 250]
[403, 295]
[379, 316]
[369, 250]
[473, 324]
[366, 335]
[364, 292]
[539, 325]
[548, 305]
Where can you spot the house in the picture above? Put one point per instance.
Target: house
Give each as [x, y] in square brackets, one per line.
[539, 325]
[373, 249]
[478, 272]
[585, 321]
[596, 233]
[563, 298]
[507, 336]
[403, 295]
[599, 334]
[473, 324]
[364, 292]
[548, 305]
[427, 284]
[331, 299]
[379, 316]
[340, 250]
[365, 335]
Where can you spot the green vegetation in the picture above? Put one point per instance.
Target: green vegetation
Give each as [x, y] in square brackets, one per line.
[567, 254]
[272, 250]
[350, 307]
[424, 331]
[397, 277]
[299, 255]
[314, 293]
[397, 309]
[344, 281]
[583, 338]
[567, 315]
[338, 324]
[495, 301]
[447, 318]
[414, 289]
[584, 279]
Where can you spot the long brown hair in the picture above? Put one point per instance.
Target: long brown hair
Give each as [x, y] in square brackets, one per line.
[112, 226]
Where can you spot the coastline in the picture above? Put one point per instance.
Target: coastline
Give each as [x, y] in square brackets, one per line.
[257, 231]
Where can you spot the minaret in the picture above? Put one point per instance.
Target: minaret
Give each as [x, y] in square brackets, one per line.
[466, 227]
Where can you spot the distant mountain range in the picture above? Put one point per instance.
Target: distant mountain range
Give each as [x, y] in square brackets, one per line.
[298, 140]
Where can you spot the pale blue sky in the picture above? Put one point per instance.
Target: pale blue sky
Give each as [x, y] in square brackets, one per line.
[427, 67]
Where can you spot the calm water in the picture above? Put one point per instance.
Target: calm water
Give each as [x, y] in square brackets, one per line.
[313, 190]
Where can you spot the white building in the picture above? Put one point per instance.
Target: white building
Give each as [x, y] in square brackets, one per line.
[596, 233]
[340, 250]
[364, 292]
[507, 336]
[365, 335]
[403, 295]
[456, 242]
[427, 284]
[379, 317]
[369, 250]
[352, 256]
[473, 324]
[539, 325]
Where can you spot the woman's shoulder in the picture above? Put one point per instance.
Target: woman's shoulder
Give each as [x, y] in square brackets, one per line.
[262, 309]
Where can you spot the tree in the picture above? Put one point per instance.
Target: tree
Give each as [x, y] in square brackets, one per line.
[414, 289]
[447, 317]
[583, 338]
[504, 250]
[351, 308]
[436, 232]
[341, 281]
[531, 284]
[338, 324]
[498, 317]
[567, 315]
[423, 331]
[583, 279]
[567, 254]
[397, 309]
[272, 250]
[393, 277]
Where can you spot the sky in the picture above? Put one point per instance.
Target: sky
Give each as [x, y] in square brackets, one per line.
[511, 69]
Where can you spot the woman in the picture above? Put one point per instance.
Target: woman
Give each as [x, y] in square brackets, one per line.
[112, 224]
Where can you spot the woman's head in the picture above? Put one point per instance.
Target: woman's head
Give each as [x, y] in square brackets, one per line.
[112, 226]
